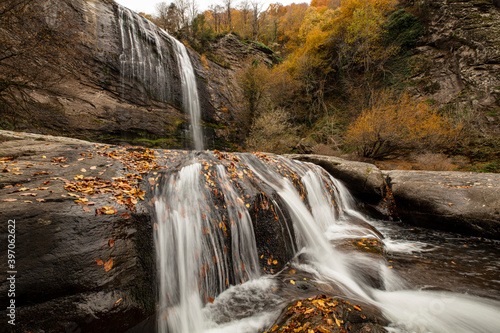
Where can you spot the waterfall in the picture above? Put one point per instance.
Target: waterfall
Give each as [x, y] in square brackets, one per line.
[208, 254]
[190, 93]
[144, 55]
[146, 58]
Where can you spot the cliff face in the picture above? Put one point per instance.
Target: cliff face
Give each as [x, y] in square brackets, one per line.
[124, 84]
[458, 62]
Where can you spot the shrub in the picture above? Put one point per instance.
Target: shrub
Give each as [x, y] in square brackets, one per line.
[272, 132]
[396, 127]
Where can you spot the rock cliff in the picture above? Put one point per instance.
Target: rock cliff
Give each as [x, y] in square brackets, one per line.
[123, 86]
[458, 61]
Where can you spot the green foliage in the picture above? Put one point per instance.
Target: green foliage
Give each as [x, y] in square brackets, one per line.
[492, 167]
[403, 29]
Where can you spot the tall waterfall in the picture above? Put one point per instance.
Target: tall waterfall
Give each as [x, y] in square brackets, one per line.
[146, 57]
[210, 210]
[190, 93]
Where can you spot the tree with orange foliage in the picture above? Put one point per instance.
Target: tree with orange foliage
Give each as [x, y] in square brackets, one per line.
[396, 127]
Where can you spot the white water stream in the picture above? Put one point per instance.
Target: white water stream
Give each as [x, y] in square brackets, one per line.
[190, 245]
[145, 58]
[190, 93]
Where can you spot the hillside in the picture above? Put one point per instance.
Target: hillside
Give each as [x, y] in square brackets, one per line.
[331, 75]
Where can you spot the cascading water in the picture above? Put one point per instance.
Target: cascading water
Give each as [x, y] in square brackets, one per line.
[210, 246]
[190, 93]
[145, 55]
[146, 58]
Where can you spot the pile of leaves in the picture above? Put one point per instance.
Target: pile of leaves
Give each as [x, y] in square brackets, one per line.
[325, 315]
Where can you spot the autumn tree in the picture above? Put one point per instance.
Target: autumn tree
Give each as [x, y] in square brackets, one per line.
[227, 4]
[256, 9]
[254, 82]
[393, 127]
[273, 131]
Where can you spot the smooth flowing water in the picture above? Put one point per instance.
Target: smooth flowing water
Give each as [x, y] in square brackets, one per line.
[210, 284]
[190, 97]
[145, 57]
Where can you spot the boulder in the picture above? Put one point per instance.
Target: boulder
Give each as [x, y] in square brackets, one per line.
[462, 202]
[326, 314]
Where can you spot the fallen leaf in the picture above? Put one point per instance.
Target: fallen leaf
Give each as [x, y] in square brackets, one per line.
[111, 242]
[99, 262]
[126, 216]
[86, 209]
[292, 282]
[83, 170]
[108, 264]
[40, 200]
[108, 210]
[93, 168]
[9, 200]
[118, 302]
[27, 201]
[338, 322]
[210, 299]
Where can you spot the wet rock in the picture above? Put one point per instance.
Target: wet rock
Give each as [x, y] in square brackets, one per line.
[462, 202]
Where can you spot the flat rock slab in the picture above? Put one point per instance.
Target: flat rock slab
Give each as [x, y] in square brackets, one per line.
[461, 202]
[365, 180]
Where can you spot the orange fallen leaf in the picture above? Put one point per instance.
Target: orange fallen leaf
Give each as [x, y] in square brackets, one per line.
[108, 210]
[93, 168]
[28, 201]
[108, 264]
[118, 302]
[126, 216]
[338, 322]
[83, 170]
[292, 282]
[40, 200]
[9, 200]
[99, 262]
[87, 209]
[356, 307]
[111, 242]
[210, 299]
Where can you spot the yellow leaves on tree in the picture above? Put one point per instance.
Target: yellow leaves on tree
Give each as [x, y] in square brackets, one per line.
[395, 127]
